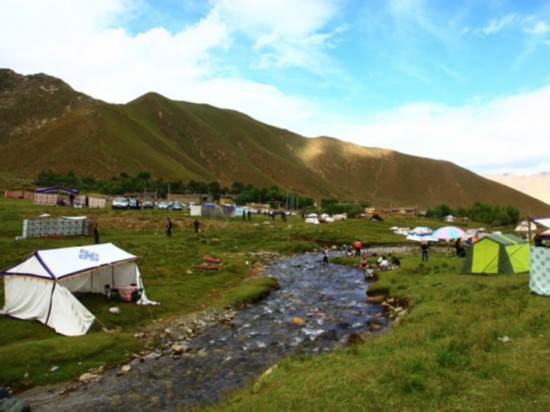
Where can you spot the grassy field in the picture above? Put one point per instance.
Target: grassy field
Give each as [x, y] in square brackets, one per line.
[468, 343]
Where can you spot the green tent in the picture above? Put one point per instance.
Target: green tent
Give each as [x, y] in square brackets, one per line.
[502, 254]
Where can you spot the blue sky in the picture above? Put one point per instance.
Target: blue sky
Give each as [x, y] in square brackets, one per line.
[463, 81]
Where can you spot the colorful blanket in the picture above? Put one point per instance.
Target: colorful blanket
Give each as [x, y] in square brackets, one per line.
[539, 264]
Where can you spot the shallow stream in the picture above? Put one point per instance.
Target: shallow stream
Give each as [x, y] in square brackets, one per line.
[316, 308]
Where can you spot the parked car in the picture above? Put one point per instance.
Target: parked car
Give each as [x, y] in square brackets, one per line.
[148, 204]
[133, 203]
[312, 218]
[120, 203]
[177, 206]
[163, 205]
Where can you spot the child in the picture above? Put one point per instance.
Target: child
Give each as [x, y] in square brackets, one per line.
[325, 256]
[369, 273]
[363, 262]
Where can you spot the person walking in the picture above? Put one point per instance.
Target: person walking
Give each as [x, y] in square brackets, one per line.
[424, 250]
[96, 233]
[168, 227]
[196, 225]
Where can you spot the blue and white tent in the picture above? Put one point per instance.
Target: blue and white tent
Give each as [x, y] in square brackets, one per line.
[42, 286]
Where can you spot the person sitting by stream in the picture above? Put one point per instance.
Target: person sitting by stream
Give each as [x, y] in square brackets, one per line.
[395, 262]
[383, 263]
[369, 272]
[363, 262]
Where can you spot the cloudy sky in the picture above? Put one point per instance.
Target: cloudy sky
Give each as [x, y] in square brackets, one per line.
[465, 81]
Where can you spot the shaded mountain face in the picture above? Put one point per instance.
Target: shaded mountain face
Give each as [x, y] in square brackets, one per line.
[45, 124]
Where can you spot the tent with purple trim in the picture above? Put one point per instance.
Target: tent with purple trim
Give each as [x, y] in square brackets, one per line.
[42, 286]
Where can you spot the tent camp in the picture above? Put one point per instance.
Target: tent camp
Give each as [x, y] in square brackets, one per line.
[209, 210]
[42, 286]
[498, 253]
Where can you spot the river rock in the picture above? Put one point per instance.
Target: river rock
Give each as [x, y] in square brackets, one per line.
[176, 348]
[14, 405]
[354, 339]
[375, 327]
[376, 299]
[87, 377]
[298, 321]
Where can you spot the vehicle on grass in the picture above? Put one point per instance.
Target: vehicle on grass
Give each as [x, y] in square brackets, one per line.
[163, 206]
[312, 218]
[120, 203]
[134, 203]
[148, 204]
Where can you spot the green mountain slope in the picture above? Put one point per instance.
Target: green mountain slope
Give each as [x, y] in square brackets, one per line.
[45, 124]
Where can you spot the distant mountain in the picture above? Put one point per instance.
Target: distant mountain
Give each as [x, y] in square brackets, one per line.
[535, 185]
[45, 124]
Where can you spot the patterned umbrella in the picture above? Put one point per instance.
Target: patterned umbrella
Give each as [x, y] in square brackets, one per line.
[448, 233]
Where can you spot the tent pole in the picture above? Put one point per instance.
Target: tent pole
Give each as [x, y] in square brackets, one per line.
[529, 229]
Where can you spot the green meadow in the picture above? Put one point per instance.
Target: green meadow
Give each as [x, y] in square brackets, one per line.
[476, 343]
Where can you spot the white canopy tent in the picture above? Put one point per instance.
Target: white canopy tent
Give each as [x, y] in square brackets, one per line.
[543, 222]
[42, 286]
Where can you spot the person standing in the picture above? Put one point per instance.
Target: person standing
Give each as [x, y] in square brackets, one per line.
[358, 246]
[168, 227]
[96, 233]
[325, 256]
[424, 250]
[196, 225]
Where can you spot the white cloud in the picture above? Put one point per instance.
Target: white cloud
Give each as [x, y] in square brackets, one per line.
[284, 33]
[537, 27]
[508, 133]
[496, 25]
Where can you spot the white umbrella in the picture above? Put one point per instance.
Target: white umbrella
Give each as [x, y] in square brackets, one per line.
[421, 238]
[421, 230]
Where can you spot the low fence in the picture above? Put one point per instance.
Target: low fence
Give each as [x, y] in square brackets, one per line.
[57, 227]
[18, 194]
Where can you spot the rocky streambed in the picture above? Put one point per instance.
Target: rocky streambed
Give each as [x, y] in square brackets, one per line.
[200, 357]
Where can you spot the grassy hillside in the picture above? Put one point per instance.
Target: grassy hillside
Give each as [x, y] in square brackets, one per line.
[46, 125]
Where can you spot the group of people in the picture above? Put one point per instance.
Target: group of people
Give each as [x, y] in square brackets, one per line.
[169, 224]
[368, 269]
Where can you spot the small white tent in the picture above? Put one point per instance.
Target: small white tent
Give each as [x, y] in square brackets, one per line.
[42, 286]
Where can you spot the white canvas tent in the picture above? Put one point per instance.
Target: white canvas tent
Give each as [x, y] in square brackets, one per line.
[42, 286]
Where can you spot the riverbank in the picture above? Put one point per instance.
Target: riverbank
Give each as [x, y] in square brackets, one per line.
[316, 309]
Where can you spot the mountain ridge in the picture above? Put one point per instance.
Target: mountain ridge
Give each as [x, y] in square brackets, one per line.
[536, 185]
[46, 125]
